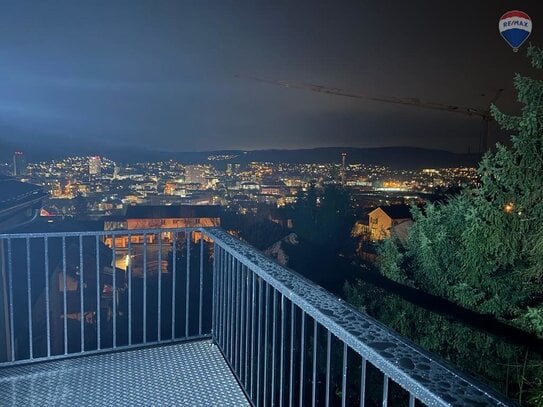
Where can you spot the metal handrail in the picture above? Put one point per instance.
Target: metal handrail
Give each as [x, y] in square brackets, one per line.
[274, 327]
[423, 375]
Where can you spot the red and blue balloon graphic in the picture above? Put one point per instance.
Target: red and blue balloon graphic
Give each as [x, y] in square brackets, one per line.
[515, 28]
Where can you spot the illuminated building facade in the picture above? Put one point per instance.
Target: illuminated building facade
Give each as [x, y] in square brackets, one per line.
[19, 164]
[95, 165]
[385, 221]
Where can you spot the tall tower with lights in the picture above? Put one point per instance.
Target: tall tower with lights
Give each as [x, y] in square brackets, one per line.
[95, 165]
[19, 164]
[343, 169]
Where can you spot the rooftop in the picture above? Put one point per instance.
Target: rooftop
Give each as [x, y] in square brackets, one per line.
[173, 211]
[397, 211]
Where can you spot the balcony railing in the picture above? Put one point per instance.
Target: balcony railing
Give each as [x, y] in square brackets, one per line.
[287, 341]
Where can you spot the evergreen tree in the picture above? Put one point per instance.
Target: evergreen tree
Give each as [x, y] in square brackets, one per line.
[484, 248]
[324, 217]
[305, 215]
[336, 217]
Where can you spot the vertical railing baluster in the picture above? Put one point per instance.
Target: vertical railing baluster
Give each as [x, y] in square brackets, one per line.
[81, 293]
[344, 377]
[65, 307]
[232, 313]
[144, 322]
[98, 297]
[218, 301]
[232, 295]
[282, 351]
[11, 310]
[29, 300]
[314, 383]
[159, 293]
[129, 272]
[274, 340]
[266, 339]
[47, 295]
[114, 292]
[224, 326]
[217, 298]
[201, 293]
[328, 367]
[259, 344]
[291, 370]
[174, 277]
[248, 317]
[302, 358]
[238, 316]
[242, 320]
[187, 294]
[411, 400]
[363, 382]
[253, 325]
[385, 391]
[225, 302]
[214, 294]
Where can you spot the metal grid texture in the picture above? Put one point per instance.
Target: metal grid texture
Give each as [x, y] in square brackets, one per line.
[188, 374]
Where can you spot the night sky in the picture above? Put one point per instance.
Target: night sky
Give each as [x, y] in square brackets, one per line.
[162, 74]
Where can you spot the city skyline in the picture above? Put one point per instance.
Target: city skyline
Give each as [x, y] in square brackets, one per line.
[165, 76]
[98, 186]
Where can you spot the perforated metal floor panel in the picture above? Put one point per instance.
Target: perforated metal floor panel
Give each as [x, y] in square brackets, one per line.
[190, 374]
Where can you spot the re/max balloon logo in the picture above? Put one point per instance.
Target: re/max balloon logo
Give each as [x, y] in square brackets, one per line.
[515, 27]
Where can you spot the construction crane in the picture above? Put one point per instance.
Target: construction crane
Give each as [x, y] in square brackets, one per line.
[484, 114]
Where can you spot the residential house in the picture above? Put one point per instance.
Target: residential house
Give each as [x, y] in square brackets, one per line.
[392, 220]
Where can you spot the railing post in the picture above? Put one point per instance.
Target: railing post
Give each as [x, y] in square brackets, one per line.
[248, 318]
[174, 280]
[10, 285]
[144, 322]
[214, 319]
[47, 294]
[81, 294]
[29, 299]
[114, 293]
[159, 289]
[129, 278]
[5, 342]
[274, 341]
[187, 293]
[64, 289]
[98, 296]
[201, 291]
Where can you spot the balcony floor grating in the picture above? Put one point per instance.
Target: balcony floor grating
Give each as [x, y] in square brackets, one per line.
[188, 374]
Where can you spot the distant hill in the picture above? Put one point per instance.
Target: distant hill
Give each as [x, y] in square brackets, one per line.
[395, 157]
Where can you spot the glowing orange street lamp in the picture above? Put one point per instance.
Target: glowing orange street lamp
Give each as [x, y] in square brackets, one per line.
[508, 207]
